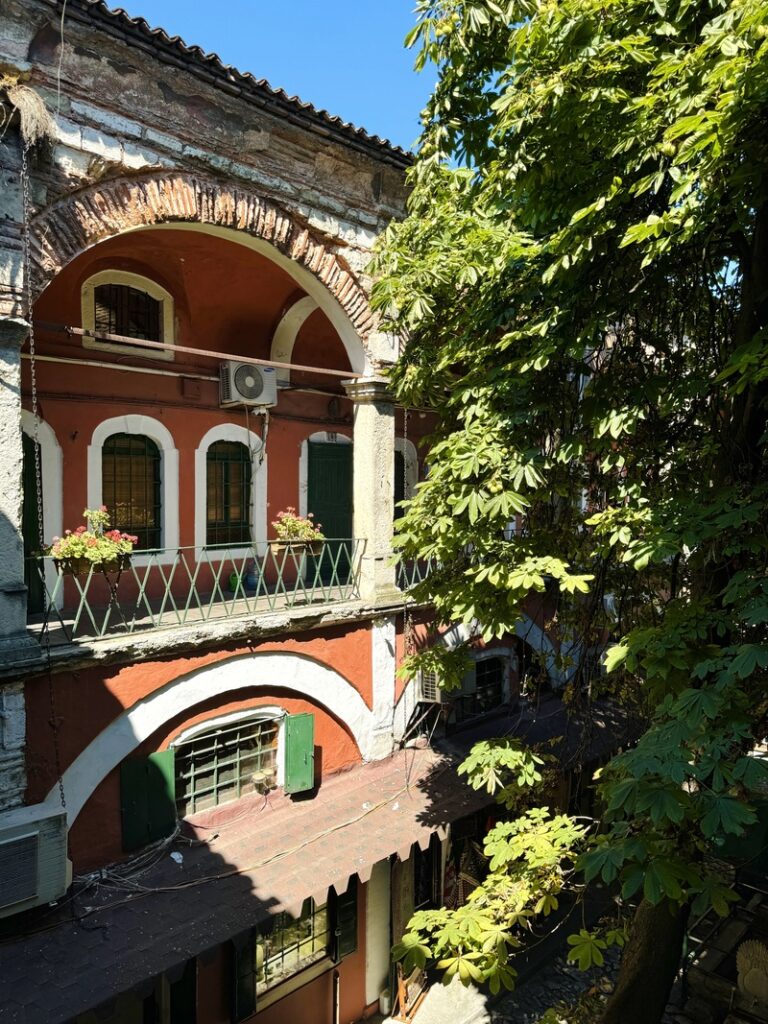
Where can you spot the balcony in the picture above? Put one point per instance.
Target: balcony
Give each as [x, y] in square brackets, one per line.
[190, 586]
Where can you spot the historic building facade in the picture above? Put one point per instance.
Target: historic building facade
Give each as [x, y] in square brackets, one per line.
[206, 808]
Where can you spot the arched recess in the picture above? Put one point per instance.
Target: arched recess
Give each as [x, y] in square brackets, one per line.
[305, 676]
[192, 202]
[232, 432]
[527, 630]
[133, 423]
[286, 332]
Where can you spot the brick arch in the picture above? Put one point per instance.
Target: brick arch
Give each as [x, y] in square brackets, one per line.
[62, 231]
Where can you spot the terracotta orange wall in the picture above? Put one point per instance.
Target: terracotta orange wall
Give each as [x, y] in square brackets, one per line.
[227, 299]
[96, 836]
[87, 701]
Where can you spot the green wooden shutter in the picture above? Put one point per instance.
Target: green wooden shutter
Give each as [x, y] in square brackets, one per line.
[243, 976]
[346, 921]
[148, 798]
[299, 753]
[329, 499]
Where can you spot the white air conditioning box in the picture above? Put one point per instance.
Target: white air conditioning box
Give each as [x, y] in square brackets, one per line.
[33, 858]
[429, 690]
[247, 384]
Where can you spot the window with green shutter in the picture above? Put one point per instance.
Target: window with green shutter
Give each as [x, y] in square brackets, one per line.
[282, 946]
[346, 921]
[148, 798]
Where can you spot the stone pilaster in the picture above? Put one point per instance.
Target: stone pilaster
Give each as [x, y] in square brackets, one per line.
[17, 647]
[373, 486]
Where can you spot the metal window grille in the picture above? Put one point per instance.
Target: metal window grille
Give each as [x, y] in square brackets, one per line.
[120, 309]
[481, 694]
[489, 679]
[225, 763]
[130, 480]
[285, 945]
[228, 488]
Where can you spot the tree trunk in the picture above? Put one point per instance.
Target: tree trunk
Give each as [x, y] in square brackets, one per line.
[649, 965]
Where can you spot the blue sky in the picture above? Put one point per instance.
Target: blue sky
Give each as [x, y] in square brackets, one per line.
[344, 55]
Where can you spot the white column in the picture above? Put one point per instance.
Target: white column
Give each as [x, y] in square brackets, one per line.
[377, 932]
[383, 675]
[17, 647]
[373, 484]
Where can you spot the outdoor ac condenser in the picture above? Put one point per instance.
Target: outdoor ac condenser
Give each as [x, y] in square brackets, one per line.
[247, 384]
[428, 689]
[33, 858]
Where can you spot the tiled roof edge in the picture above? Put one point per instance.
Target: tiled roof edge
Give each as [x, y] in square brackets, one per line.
[210, 68]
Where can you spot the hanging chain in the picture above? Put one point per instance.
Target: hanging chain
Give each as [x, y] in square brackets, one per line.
[27, 268]
[27, 271]
[409, 632]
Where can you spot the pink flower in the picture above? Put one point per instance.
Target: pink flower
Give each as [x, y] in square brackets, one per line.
[67, 533]
[102, 508]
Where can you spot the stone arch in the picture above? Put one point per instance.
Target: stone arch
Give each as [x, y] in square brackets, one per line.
[178, 199]
[258, 671]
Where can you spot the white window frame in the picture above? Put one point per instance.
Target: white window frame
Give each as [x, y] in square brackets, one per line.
[264, 713]
[142, 284]
[169, 477]
[258, 511]
[52, 472]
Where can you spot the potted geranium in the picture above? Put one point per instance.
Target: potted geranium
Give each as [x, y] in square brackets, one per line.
[296, 533]
[93, 546]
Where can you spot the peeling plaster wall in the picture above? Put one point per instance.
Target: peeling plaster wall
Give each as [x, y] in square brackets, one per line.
[121, 111]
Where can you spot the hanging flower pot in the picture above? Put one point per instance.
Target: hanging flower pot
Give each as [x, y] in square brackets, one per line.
[92, 547]
[296, 534]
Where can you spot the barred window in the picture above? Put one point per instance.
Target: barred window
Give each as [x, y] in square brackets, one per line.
[225, 763]
[130, 481]
[228, 493]
[285, 944]
[489, 684]
[121, 309]
[483, 691]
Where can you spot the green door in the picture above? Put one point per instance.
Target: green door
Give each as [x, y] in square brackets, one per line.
[30, 531]
[329, 499]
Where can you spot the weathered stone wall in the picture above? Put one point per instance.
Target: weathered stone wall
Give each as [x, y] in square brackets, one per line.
[12, 732]
[123, 110]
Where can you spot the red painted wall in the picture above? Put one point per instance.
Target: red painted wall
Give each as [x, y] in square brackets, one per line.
[227, 299]
[107, 691]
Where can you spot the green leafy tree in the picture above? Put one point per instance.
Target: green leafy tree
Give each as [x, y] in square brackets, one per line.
[582, 281]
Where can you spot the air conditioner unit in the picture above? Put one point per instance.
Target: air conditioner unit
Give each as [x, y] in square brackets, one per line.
[33, 858]
[429, 690]
[247, 384]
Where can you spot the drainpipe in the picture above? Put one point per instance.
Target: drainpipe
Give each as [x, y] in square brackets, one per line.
[336, 998]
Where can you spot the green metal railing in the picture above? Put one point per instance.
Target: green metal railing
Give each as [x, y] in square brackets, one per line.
[412, 572]
[164, 588]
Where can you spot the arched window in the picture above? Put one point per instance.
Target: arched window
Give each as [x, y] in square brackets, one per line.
[226, 761]
[116, 302]
[130, 482]
[228, 493]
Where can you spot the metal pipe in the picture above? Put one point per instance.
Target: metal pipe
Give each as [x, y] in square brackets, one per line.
[336, 998]
[162, 346]
[179, 374]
